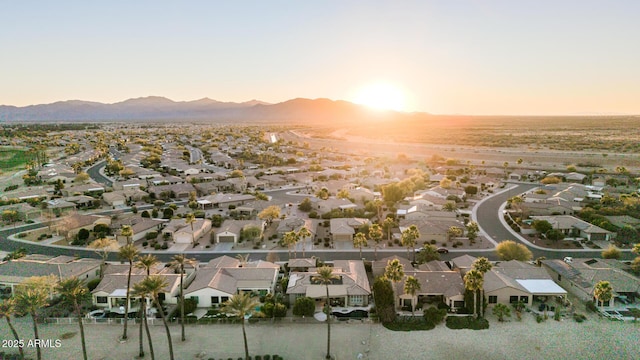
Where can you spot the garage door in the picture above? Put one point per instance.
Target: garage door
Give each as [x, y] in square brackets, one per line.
[226, 239]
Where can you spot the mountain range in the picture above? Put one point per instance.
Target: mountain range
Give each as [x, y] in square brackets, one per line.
[155, 108]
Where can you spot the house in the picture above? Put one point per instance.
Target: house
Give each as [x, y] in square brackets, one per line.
[223, 277]
[24, 210]
[435, 287]
[324, 206]
[378, 266]
[111, 292]
[224, 200]
[232, 230]
[343, 229]
[143, 227]
[572, 226]
[180, 191]
[14, 272]
[182, 233]
[86, 189]
[70, 225]
[580, 275]
[294, 223]
[350, 288]
[302, 264]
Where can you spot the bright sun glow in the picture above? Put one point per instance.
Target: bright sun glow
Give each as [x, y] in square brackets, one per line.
[381, 96]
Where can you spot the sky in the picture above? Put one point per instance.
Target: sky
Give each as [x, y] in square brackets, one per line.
[477, 57]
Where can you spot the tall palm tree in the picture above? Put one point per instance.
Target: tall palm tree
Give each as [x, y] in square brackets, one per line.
[74, 292]
[388, 223]
[303, 234]
[411, 287]
[394, 272]
[127, 232]
[483, 265]
[141, 291]
[177, 263]
[603, 292]
[147, 262]
[241, 305]
[189, 220]
[30, 300]
[289, 239]
[359, 241]
[154, 285]
[375, 234]
[326, 276]
[128, 253]
[474, 281]
[409, 237]
[8, 309]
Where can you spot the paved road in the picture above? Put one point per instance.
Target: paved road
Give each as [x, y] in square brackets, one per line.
[94, 173]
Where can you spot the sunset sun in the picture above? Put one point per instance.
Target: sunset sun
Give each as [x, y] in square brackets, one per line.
[381, 96]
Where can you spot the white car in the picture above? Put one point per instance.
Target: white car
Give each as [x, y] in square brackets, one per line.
[97, 314]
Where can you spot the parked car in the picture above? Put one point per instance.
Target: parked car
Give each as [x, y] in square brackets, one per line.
[97, 314]
[442, 250]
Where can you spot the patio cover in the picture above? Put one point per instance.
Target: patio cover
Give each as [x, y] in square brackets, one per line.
[319, 291]
[119, 293]
[542, 287]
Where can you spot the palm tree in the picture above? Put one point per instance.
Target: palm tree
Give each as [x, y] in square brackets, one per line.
[603, 292]
[483, 265]
[127, 232]
[178, 262]
[394, 272]
[241, 305]
[411, 287]
[409, 237]
[189, 220]
[289, 239]
[326, 276]
[8, 309]
[128, 253]
[30, 300]
[375, 234]
[474, 281]
[388, 223]
[359, 241]
[147, 262]
[102, 247]
[154, 285]
[141, 291]
[74, 292]
[303, 234]
[377, 203]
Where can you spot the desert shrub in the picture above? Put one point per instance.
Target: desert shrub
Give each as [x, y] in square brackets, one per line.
[579, 317]
[466, 322]
[151, 235]
[408, 325]
[591, 306]
[434, 315]
[304, 306]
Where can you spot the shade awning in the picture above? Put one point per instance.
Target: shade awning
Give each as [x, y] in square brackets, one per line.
[542, 287]
[319, 291]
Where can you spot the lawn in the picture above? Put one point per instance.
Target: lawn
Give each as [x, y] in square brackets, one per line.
[12, 158]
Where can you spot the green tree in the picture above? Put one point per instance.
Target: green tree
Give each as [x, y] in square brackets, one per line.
[510, 250]
[360, 240]
[154, 285]
[394, 272]
[611, 253]
[454, 232]
[74, 292]
[147, 262]
[127, 231]
[474, 281]
[305, 205]
[7, 310]
[427, 253]
[326, 276]
[304, 306]
[411, 287]
[290, 238]
[269, 214]
[501, 310]
[128, 253]
[603, 292]
[30, 300]
[384, 299]
[241, 305]
[375, 234]
[388, 224]
[392, 193]
[409, 238]
[189, 220]
[178, 263]
[302, 235]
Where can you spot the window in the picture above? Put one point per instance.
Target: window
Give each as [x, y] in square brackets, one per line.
[524, 299]
[559, 277]
[513, 299]
[101, 299]
[224, 298]
[356, 299]
[215, 300]
[161, 296]
[458, 304]
[493, 299]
